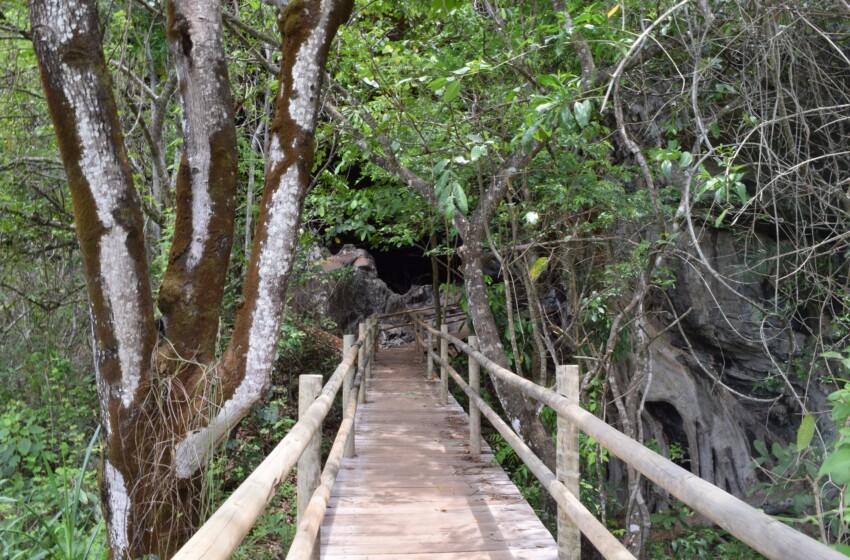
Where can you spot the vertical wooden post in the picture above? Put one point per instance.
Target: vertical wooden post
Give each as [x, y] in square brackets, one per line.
[370, 347]
[417, 337]
[444, 371]
[361, 360]
[569, 537]
[347, 343]
[428, 356]
[474, 412]
[310, 463]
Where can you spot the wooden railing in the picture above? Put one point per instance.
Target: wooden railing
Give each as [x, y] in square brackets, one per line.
[219, 537]
[768, 536]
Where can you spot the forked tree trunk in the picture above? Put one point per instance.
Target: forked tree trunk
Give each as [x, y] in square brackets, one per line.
[165, 401]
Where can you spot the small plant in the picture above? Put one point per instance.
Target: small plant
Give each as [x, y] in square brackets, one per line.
[60, 519]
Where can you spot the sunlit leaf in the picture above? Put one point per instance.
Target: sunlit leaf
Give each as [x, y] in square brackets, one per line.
[837, 465]
[538, 267]
[452, 91]
[582, 113]
[806, 432]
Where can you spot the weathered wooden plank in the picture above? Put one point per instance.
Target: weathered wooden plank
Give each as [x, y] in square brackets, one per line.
[414, 491]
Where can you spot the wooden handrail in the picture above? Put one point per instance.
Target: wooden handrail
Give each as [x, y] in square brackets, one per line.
[222, 533]
[311, 521]
[766, 535]
[416, 310]
[602, 539]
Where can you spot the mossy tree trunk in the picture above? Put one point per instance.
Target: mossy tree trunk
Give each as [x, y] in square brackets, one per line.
[166, 398]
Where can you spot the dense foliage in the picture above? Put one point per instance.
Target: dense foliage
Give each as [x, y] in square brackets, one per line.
[662, 149]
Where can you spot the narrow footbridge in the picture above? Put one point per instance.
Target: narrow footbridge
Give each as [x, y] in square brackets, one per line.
[414, 488]
[409, 476]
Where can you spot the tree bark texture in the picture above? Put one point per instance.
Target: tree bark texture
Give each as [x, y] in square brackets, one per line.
[165, 401]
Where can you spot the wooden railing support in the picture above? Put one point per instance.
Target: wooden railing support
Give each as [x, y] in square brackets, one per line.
[569, 537]
[417, 336]
[444, 371]
[347, 384]
[474, 411]
[428, 358]
[310, 463]
[361, 362]
[370, 348]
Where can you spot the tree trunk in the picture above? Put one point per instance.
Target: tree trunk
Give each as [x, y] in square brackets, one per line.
[161, 419]
[523, 413]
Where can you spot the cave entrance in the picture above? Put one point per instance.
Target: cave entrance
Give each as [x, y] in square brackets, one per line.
[399, 267]
[673, 428]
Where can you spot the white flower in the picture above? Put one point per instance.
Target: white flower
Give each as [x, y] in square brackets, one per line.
[532, 218]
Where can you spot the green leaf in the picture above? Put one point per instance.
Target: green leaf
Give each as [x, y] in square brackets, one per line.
[842, 548]
[840, 412]
[566, 116]
[477, 152]
[452, 91]
[805, 432]
[582, 113]
[538, 267]
[686, 159]
[837, 465]
[719, 219]
[438, 83]
[24, 446]
[741, 191]
[441, 184]
[529, 134]
[460, 198]
[667, 168]
[549, 81]
[450, 209]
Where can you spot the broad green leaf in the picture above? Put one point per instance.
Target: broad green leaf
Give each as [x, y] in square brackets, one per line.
[842, 548]
[582, 113]
[529, 133]
[805, 432]
[24, 446]
[840, 412]
[477, 152]
[460, 198]
[837, 465]
[450, 209]
[452, 91]
[549, 81]
[741, 191]
[441, 184]
[667, 168]
[566, 116]
[720, 218]
[438, 83]
[686, 159]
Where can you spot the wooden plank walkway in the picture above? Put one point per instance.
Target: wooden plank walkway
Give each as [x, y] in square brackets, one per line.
[413, 490]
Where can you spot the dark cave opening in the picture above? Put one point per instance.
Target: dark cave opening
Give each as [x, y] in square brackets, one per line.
[399, 267]
[674, 431]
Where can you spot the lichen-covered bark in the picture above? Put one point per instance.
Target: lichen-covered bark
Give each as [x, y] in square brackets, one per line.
[109, 225]
[308, 29]
[161, 420]
[191, 292]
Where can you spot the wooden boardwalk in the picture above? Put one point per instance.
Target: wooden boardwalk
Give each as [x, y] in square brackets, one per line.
[413, 490]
